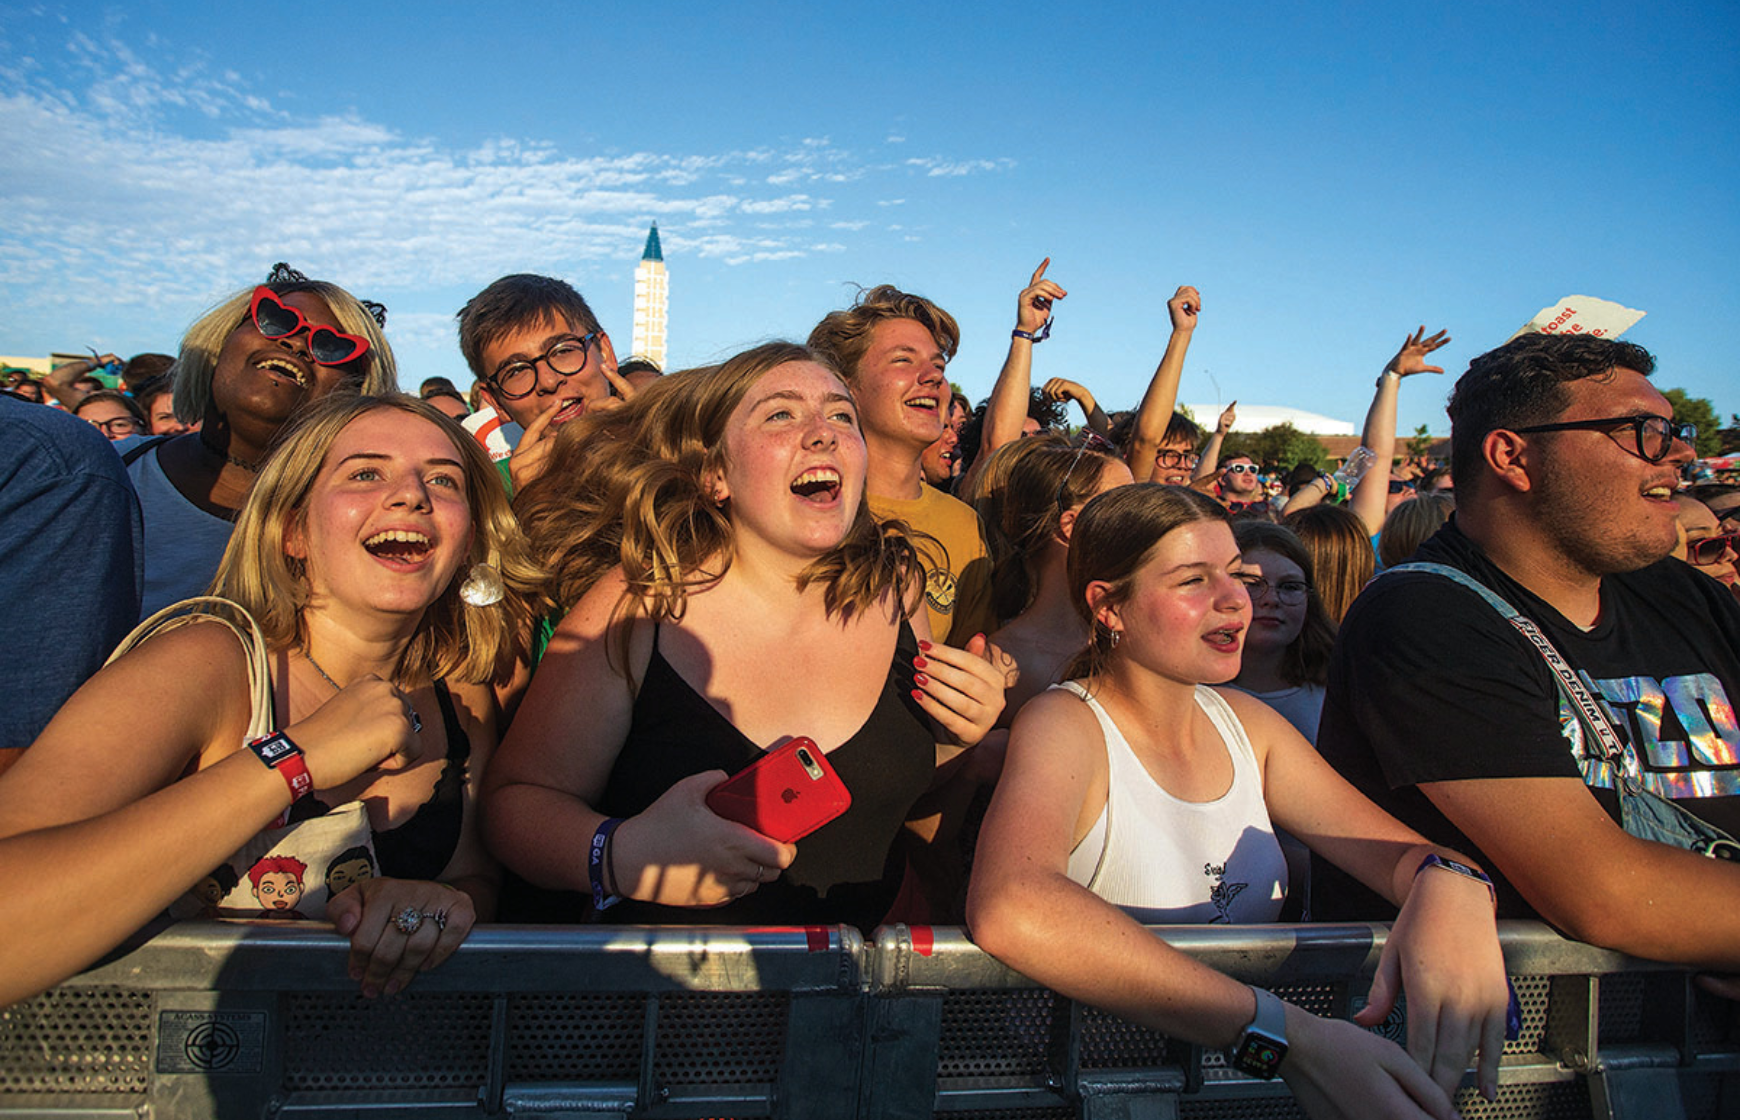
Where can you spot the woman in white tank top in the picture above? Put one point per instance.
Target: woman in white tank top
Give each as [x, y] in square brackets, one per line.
[1136, 793]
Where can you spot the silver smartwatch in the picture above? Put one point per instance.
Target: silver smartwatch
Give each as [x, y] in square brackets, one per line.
[1262, 1045]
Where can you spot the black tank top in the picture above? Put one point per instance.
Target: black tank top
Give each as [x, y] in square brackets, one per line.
[847, 871]
[424, 845]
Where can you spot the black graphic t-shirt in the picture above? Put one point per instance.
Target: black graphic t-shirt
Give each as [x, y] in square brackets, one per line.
[1429, 684]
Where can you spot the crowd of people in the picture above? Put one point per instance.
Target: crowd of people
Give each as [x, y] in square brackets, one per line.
[347, 654]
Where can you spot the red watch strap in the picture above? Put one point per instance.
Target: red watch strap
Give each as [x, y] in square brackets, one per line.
[279, 752]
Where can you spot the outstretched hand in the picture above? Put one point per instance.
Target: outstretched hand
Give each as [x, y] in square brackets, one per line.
[1411, 358]
[1033, 306]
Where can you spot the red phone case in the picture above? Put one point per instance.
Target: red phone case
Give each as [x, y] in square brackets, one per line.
[787, 793]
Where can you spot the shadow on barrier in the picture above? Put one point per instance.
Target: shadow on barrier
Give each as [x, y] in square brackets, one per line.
[240, 1020]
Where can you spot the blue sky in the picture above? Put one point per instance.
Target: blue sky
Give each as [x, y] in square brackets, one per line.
[1329, 177]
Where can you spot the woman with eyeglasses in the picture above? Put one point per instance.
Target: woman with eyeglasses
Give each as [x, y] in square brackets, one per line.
[1028, 496]
[1285, 662]
[379, 557]
[117, 414]
[1136, 793]
[245, 369]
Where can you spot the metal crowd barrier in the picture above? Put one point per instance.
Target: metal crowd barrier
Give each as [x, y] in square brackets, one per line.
[231, 1021]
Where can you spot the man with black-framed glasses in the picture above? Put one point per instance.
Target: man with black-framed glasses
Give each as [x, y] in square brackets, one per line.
[1450, 716]
[543, 360]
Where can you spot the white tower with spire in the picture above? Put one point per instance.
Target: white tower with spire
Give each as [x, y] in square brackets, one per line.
[651, 301]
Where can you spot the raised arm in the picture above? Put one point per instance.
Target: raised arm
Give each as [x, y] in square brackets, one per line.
[1372, 494]
[1024, 909]
[1008, 405]
[1209, 462]
[58, 381]
[1161, 398]
[542, 792]
[1063, 389]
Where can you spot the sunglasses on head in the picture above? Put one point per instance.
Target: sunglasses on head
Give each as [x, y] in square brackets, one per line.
[1710, 549]
[1090, 441]
[276, 319]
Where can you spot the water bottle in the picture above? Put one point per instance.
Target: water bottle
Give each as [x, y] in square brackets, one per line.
[1344, 480]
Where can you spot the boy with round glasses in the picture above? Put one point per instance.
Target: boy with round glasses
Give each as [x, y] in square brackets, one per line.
[543, 360]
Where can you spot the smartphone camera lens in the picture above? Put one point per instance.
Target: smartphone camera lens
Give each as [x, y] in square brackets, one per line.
[804, 757]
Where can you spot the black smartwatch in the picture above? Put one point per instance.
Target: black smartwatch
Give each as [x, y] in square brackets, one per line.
[1262, 1045]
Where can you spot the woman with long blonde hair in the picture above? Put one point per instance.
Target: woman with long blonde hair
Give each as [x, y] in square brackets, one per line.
[379, 557]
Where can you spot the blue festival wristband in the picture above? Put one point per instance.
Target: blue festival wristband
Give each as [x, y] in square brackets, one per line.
[1435, 860]
[595, 864]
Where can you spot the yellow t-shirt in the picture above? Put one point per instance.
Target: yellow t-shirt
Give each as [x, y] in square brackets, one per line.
[957, 585]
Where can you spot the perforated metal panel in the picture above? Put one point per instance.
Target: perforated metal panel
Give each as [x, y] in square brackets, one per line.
[77, 1040]
[1264, 1108]
[1553, 1100]
[343, 1041]
[720, 1038]
[1319, 999]
[1108, 1042]
[575, 1038]
[996, 1033]
[1622, 1007]
[1713, 1021]
[1531, 996]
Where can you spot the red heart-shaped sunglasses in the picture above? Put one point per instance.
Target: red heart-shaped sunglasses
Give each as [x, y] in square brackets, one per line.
[275, 319]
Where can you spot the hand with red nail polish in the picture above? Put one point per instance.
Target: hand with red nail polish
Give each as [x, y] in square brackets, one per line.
[962, 689]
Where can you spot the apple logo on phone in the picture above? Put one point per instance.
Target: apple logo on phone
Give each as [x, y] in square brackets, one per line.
[789, 795]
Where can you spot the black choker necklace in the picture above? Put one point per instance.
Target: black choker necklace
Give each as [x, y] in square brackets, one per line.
[251, 468]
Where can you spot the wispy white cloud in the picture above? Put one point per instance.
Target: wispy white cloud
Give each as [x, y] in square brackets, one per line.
[781, 205]
[186, 179]
[935, 166]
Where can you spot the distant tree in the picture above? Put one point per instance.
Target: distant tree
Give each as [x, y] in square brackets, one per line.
[1281, 444]
[1698, 411]
[1419, 443]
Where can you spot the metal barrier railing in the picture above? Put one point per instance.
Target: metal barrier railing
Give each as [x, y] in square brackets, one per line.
[230, 1020]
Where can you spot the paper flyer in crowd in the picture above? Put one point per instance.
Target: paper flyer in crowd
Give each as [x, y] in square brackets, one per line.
[497, 433]
[1583, 315]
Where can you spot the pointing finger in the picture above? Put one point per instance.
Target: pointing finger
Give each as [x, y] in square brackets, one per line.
[623, 386]
[1039, 273]
[536, 429]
